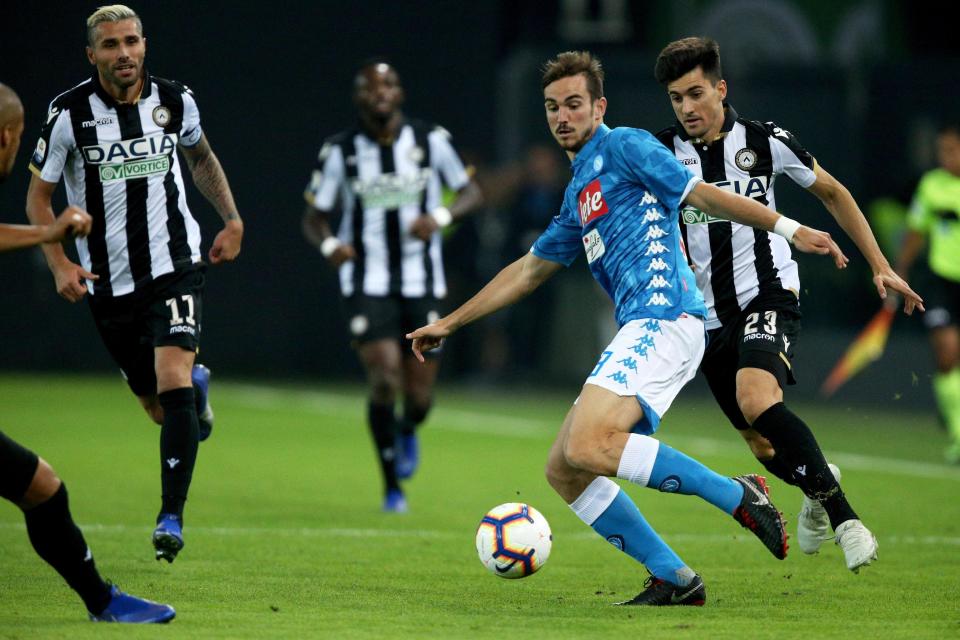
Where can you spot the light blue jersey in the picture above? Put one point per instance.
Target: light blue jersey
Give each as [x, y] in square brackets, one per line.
[622, 206]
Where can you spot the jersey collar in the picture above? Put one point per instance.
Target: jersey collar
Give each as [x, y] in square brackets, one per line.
[730, 117]
[110, 101]
[588, 149]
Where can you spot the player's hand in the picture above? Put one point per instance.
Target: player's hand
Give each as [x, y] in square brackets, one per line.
[427, 338]
[424, 227]
[343, 253]
[887, 278]
[812, 241]
[70, 279]
[74, 221]
[226, 246]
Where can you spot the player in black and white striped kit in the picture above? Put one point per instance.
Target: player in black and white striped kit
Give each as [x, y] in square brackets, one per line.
[114, 139]
[385, 178]
[751, 284]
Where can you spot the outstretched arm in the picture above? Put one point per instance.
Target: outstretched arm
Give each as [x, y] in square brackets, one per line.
[210, 179]
[514, 282]
[731, 206]
[73, 221]
[70, 278]
[841, 205]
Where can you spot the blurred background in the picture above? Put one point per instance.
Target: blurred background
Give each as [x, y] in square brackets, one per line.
[862, 84]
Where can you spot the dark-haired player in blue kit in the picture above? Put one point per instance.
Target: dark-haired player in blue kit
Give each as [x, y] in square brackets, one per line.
[622, 208]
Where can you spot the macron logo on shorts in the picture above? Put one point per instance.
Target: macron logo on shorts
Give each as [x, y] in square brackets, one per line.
[592, 204]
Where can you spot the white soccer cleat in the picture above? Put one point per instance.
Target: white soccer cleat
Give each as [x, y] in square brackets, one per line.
[813, 523]
[858, 544]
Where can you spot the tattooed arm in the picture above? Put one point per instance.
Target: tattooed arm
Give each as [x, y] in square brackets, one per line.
[212, 182]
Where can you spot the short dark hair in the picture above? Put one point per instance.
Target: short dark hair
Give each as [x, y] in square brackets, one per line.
[373, 61]
[683, 56]
[572, 63]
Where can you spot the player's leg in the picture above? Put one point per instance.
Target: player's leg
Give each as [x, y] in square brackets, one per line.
[418, 381]
[945, 340]
[32, 484]
[173, 314]
[382, 362]
[602, 505]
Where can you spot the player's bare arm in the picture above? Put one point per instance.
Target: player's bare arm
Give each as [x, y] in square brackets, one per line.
[514, 282]
[468, 199]
[842, 206]
[69, 276]
[317, 231]
[73, 221]
[731, 206]
[212, 182]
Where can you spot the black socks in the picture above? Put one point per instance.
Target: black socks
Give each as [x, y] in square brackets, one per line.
[178, 447]
[383, 428]
[58, 541]
[413, 415]
[798, 451]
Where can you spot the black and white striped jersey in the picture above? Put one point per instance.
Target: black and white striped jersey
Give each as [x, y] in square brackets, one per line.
[381, 190]
[119, 162]
[733, 263]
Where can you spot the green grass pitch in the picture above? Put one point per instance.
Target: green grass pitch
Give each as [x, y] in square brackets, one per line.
[284, 537]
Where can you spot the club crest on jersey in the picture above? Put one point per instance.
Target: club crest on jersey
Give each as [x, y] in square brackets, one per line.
[593, 246]
[746, 159]
[161, 115]
[592, 204]
[598, 163]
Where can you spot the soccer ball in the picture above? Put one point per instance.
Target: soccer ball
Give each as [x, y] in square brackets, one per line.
[513, 540]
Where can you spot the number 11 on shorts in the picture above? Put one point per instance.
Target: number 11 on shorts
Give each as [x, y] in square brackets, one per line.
[175, 317]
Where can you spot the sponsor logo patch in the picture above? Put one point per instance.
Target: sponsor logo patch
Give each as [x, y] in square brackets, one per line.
[40, 152]
[591, 203]
[135, 169]
[135, 149]
[392, 190]
[97, 122]
[593, 246]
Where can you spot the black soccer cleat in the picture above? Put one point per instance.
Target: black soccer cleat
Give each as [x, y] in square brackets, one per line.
[660, 593]
[758, 514]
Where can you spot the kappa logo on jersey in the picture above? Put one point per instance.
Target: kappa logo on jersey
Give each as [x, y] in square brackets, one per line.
[658, 300]
[592, 204]
[658, 264]
[135, 149]
[648, 198]
[656, 248]
[593, 245]
[392, 190]
[652, 215]
[655, 233]
[659, 282]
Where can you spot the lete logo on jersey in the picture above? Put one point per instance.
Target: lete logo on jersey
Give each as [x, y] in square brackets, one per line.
[592, 204]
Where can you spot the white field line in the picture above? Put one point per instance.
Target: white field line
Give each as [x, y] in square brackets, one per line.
[436, 534]
[507, 426]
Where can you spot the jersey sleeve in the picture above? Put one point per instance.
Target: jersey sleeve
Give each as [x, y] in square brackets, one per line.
[54, 146]
[561, 240]
[446, 159]
[326, 179]
[190, 130]
[646, 161]
[921, 215]
[790, 157]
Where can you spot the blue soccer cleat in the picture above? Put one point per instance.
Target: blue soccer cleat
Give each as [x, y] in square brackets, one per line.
[201, 388]
[409, 456]
[124, 607]
[168, 536]
[394, 502]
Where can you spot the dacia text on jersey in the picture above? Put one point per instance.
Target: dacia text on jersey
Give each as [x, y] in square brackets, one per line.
[755, 187]
[392, 190]
[136, 158]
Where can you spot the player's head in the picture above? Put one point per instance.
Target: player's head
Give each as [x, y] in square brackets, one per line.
[572, 86]
[948, 147]
[11, 128]
[377, 91]
[115, 44]
[690, 71]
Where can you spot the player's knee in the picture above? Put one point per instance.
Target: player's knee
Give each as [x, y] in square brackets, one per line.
[753, 401]
[759, 446]
[43, 486]
[384, 386]
[151, 404]
[584, 453]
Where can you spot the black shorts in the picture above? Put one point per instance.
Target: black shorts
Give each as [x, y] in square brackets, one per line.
[372, 318]
[17, 468]
[764, 336]
[942, 301]
[167, 313]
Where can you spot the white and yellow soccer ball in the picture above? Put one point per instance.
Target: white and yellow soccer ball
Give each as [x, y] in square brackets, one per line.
[513, 540]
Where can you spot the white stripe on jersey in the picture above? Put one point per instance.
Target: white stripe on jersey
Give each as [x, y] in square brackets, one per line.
[746, 281]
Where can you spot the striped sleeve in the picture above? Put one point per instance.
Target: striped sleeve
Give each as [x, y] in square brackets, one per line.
[54, 146]
[447, 160]
[327, 178]
[790, 157]
[190, 130]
